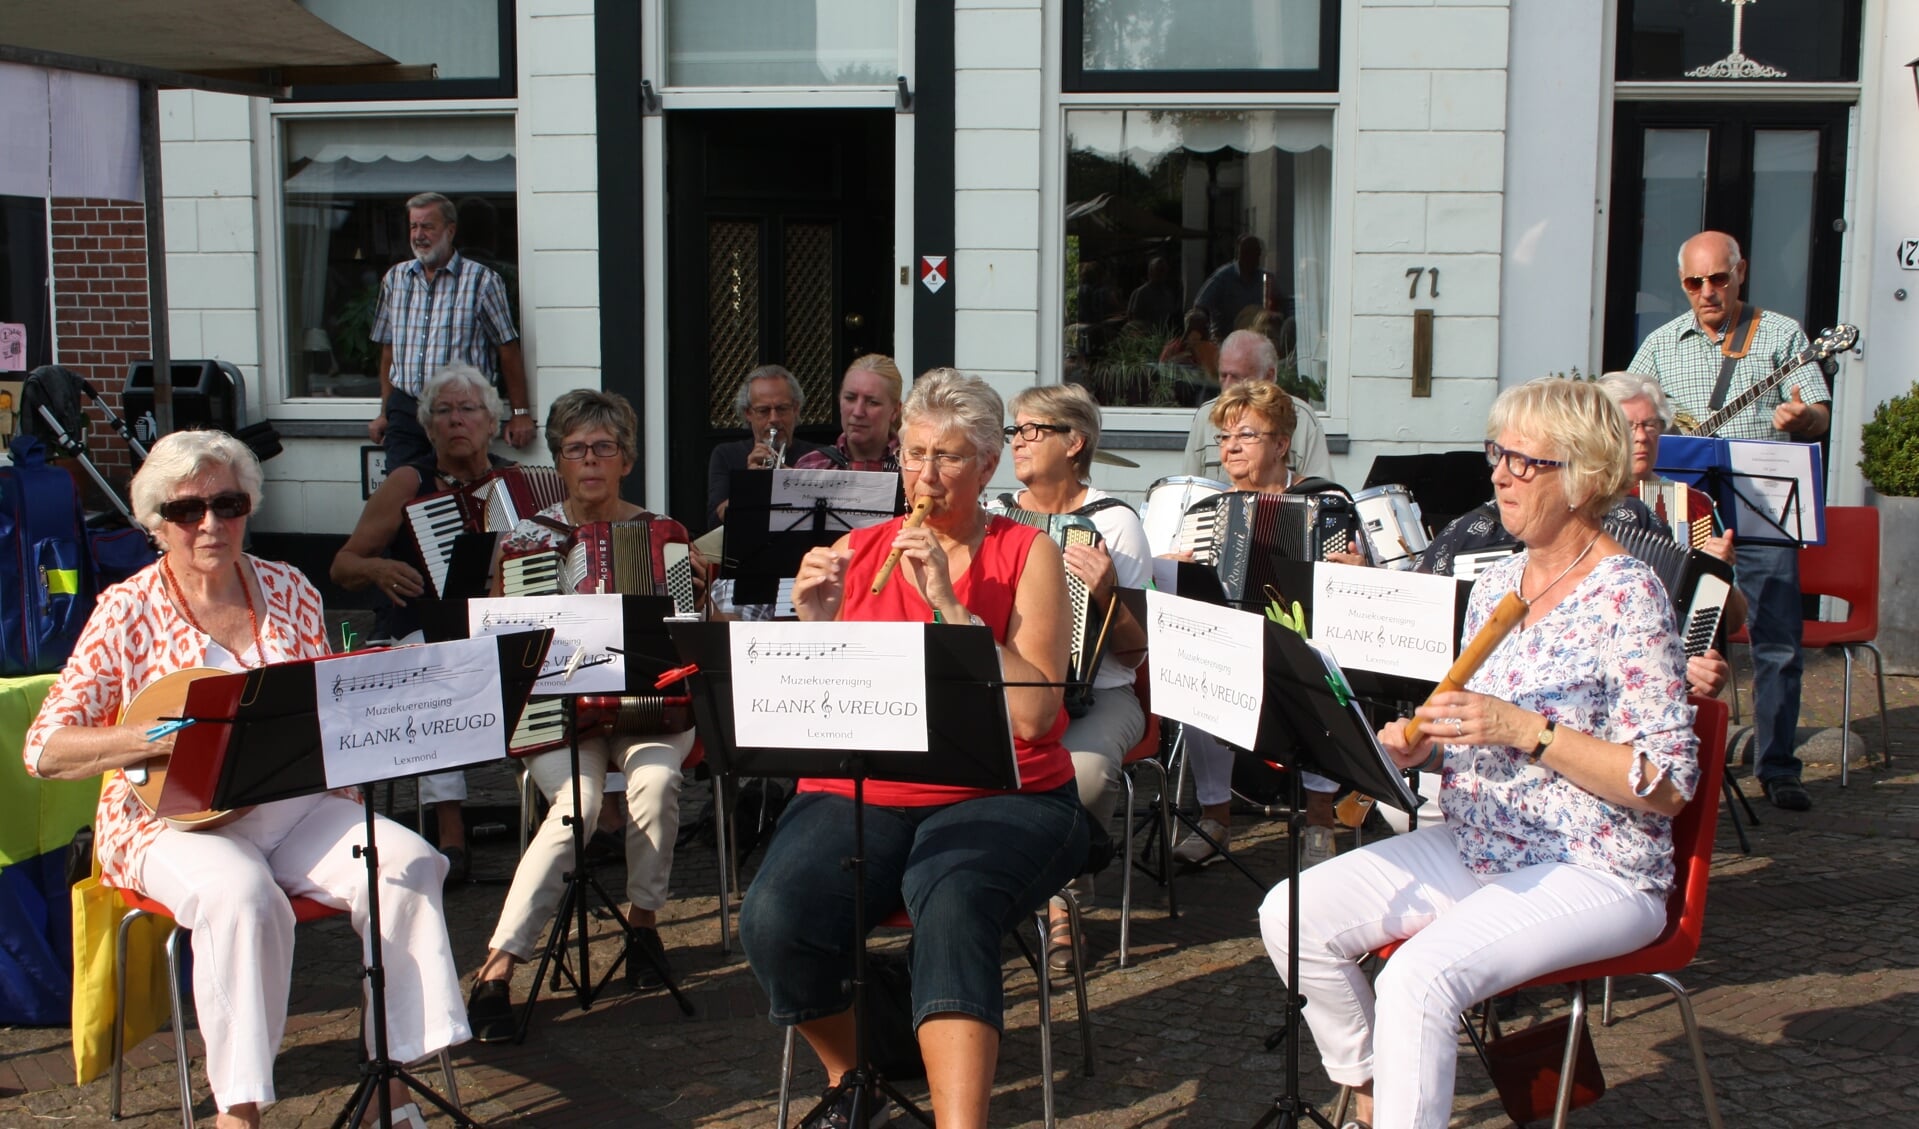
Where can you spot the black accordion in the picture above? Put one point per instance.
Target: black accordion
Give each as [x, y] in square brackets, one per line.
[1240, 535]
[1089, 624]
[1698, 584]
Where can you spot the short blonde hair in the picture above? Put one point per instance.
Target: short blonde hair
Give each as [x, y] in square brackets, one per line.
[179, 456]
[1069, 404]
[1577, 423]
[1268, 400]
[882, 366]
[947, 397]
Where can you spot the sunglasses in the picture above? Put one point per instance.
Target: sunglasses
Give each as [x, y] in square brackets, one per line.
[1696, 282]
[191, 511]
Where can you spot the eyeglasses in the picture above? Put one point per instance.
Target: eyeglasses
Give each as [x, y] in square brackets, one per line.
[442, 411]
[1228, 438]
[761, 411]
[1519, 465]
[1032, 431]
[1694, 282]
[602, 449]
[191, 511]
[947, 463]
[1648, 427]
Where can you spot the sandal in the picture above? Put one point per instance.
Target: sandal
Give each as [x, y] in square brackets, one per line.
[1059, 945]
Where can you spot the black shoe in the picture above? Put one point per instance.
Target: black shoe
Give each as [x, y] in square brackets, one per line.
[457, 866]
[1787, 793]
[489, 1011]
[839, 1115]
[642, 974]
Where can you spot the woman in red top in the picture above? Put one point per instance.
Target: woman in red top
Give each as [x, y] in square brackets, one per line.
[966, 864]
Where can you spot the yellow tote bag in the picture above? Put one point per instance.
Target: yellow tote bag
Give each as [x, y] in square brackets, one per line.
[97, 910]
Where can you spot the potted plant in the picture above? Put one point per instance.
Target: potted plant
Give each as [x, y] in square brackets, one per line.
[1889, 448]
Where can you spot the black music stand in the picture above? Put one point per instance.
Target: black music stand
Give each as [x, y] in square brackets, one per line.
[764, 541]
[1446, 484]
[969, 744]
[271, 713]
[648, 653]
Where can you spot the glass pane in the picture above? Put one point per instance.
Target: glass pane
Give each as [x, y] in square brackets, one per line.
[1202, 35]
[808, 322]
[1795, 40]
[782, 42]
[1785, 165]
[1162, 205]
[1674, 206]
[461, 36]
[732, 312]
[346, 184]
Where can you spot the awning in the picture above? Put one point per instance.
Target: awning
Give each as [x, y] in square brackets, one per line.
[1145, 137]
[211, 44]
[386, 177]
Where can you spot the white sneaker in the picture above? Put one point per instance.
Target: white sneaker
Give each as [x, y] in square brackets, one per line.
[1316, 845]
[1195, 851]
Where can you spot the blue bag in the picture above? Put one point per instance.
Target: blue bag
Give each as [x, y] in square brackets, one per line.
[46, 582]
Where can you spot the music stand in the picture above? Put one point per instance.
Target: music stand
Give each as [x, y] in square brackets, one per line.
[969, 744]
[1707, 462]
[1446, 484]
[272, 714]
[765, 540]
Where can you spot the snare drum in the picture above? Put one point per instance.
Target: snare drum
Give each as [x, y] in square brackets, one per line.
[1166, 504]
[1394, 529]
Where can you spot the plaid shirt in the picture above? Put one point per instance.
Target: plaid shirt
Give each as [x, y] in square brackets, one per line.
[454, 317]
[1686, 362]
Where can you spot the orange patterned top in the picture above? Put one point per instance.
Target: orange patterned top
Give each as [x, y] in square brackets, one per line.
[134, 637]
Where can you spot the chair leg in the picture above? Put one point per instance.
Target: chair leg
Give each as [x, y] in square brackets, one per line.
[175, 957]
[1879, 673]
[1845, 721]
[1126, 869]
[449, 1080]
[1734, 797]
[1341, 1103]
[1563, 1105]
[1043, 968]
[529, 793]
[119, 1011]
[723, 836]
[1605, 1004]
[1078, 925]
[1684, 1000]
[786, 1073]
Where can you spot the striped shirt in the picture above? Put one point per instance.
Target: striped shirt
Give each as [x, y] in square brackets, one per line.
[430, 324]
[1686, 362]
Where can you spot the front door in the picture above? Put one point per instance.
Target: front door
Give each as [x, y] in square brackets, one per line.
[779, 251]
[1772, 175]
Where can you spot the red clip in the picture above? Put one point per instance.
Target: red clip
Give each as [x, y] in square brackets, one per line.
[675, 675]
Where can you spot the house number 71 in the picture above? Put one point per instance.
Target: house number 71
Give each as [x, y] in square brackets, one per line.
[1412, 286]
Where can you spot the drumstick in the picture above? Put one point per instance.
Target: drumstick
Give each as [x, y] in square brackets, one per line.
[914, 520]
[1506, 616]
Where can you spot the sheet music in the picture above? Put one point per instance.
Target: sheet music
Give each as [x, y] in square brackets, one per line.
[858, 497]
[409, 710]
[1385, 621]
[1208, 665]
[593, 627]
[829, 686]
[1797, 464]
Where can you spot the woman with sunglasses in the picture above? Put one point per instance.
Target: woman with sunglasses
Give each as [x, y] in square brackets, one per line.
[205, 603]
[594, 438]
[967, 864]
[1255, 421]
[1055, 431]
[1564, 761]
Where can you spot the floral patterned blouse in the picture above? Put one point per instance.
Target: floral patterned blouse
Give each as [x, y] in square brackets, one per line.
[1606, 660]
[133, 637]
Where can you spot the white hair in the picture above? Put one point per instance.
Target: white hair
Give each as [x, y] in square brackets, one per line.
[1624, 387]
[181, 455]
[1737, 258]
[465, 376]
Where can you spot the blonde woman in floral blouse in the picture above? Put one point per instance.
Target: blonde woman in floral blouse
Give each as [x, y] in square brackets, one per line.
[1563, 763]
[207, 604]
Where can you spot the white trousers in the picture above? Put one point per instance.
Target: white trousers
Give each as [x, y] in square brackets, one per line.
[230, 885]
[1471, 937]
[652, 766]
[1211, 761]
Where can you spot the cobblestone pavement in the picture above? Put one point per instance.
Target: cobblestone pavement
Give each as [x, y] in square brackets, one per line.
[1806, 986]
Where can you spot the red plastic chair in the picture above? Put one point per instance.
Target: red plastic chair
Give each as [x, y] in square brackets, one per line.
[1678, 943]
[139, 906]
[1144, 756]
[1846, 567]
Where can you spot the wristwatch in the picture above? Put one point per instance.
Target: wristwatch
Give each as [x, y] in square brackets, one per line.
[522, 411]
[1545, 741]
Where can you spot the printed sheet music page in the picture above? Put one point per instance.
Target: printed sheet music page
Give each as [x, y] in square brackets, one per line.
[829, 686]
[593, 627]
[409, 710]
[1385, 621]
[1209, 665]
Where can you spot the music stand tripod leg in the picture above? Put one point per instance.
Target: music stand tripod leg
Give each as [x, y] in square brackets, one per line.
[1290, 1110]
[379, 1069]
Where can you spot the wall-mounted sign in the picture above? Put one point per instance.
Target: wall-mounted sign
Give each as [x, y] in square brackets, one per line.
[933, 272]
[1909, 254]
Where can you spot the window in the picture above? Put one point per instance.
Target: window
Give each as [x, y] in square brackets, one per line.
[1183, 225]
[346, 183]
[1782, 40]
[782, 42]
[1202, 45]
[470, 42]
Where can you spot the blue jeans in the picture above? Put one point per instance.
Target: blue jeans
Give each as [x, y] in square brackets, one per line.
[966, 874]
[1769, 576]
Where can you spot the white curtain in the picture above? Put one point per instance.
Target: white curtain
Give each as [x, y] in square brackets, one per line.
[1144, 136]
[1312, 238]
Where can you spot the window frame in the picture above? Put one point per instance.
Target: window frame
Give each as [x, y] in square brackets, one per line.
[1076, 79]
[506, 85]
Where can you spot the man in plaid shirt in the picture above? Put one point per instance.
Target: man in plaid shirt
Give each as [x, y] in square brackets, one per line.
[435, 309]
[1686, 355]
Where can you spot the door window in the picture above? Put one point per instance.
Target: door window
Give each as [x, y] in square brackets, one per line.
[734, 43]
[1785, 176]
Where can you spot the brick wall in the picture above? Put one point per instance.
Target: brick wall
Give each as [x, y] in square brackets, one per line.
[100, 307]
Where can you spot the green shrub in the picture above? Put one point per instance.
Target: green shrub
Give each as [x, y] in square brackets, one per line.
[1890, 443]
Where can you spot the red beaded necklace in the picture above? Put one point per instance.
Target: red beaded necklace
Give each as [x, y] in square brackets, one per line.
[179, 597]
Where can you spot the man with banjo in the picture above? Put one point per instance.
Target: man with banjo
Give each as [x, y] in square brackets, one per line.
[1725, 349]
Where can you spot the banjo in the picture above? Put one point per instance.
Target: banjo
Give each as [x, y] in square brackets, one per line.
[162, 699]
[1835, 340]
